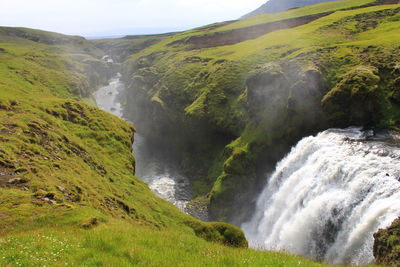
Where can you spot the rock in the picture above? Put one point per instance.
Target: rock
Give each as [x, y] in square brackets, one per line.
[90, 223]
[356, 98]
[61, 188]
[198, 208]
[17, 181]
[41, 192]
[387, 244]
[38, 202]
[219, 232]
[50, 201]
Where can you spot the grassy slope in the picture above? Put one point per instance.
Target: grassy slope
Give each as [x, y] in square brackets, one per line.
[74, 200]
[253, 21]
[123, 244]
[297, 12]
[210, 84]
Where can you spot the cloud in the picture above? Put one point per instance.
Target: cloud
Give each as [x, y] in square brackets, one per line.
[90, 17]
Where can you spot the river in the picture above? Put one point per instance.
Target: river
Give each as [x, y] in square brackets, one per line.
[164, 182]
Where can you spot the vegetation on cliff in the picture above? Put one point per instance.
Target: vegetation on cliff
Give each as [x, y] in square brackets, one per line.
[68, 194]
[232, 96]
[387, 245]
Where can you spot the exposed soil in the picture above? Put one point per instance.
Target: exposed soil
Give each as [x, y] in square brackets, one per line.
[387, 2]
[244, 34]
[249, 33]
[9, 178]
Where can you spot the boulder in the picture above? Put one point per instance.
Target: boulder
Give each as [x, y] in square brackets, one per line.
[17, 180]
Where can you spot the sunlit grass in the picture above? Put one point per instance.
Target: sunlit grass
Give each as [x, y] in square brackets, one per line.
[297, 12]
[122, 244]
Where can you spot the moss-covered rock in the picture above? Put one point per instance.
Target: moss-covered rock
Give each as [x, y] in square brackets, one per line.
[387, 245]
[198, 208]
[356, 99]
[220, 232]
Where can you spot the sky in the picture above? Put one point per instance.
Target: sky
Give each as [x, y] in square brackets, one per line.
[120, 17]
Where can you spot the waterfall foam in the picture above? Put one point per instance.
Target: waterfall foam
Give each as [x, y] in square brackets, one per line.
[329, 195]
[107, 96]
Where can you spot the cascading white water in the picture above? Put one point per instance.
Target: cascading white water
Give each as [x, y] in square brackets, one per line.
[173, 188]
[107, 96]
[328, 196]
[164, 182]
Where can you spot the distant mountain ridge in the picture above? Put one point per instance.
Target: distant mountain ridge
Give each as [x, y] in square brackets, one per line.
[274, 6]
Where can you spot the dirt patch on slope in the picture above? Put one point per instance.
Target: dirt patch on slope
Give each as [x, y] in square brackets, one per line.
[244, 34]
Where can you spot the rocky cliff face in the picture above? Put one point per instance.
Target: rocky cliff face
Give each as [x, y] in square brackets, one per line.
[223, 115]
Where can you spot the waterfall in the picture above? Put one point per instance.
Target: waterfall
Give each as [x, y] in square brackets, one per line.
[328, 196]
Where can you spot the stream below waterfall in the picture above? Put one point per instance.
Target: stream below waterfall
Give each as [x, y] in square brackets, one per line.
[329, 195]
[162, 181]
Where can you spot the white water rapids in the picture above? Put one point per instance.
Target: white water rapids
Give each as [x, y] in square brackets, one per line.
[173, 188]
[107, 96]
[328, 196]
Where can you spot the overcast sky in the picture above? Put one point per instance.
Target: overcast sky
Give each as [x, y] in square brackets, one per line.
[120, 17]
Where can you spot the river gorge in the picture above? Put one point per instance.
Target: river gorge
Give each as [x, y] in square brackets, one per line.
[163, 181]
[325, 199]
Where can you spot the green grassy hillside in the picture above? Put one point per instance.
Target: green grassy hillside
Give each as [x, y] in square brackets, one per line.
[68, 194]
[279, 6]
[219, 101]
[231, 98]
